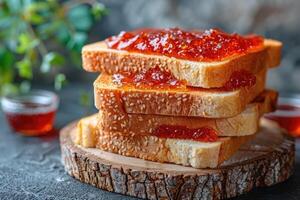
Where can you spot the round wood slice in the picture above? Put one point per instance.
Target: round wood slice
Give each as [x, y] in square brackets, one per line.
[267, 160]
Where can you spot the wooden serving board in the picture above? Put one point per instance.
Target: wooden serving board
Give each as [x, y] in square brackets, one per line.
[267, 160]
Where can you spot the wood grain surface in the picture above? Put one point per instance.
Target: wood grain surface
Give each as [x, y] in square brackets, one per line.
[267, 160]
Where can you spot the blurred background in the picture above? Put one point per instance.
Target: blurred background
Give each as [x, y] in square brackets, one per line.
[40, 47]
[40, 41]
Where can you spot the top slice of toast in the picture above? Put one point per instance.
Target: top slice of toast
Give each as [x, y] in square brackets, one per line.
[97, 57]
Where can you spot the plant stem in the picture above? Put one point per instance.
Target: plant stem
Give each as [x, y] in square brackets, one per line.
[41, 46]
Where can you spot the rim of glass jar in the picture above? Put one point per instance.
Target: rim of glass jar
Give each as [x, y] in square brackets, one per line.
[290, 99]
[15, 103]
[287, 99]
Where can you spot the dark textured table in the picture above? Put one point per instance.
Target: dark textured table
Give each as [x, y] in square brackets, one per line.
[30, 168]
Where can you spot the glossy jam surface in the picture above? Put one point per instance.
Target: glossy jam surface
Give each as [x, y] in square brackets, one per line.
[288, 117]
[240, 79]
[208, 45]
[204, 134]
[152, 78]
[31, 124]
[155, 78]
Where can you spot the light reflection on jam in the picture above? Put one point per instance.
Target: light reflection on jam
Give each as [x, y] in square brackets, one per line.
[151, 78]
[208, 45]
[203, 134]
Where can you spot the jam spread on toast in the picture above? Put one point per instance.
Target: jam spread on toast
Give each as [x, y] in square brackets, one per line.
[203, 134]
[155, 78]
[240, 79]
[151, 78]
[209, 45]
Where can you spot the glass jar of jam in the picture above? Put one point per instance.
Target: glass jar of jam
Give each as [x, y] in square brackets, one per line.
[287, 114]
[32, 113]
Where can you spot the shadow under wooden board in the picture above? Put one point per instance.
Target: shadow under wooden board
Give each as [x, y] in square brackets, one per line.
[265, 161]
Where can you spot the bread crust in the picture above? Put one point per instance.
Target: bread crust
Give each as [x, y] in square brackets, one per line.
[209, 103]
[98, 58]
[184, 152]
[245, 123]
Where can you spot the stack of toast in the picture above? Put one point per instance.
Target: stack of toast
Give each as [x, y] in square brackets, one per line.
[185, 97]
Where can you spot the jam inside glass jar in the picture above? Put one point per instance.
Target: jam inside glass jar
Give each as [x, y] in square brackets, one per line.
[32, 113]
[287, 114]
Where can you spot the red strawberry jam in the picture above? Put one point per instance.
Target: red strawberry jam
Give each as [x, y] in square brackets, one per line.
[208, 45]
[203, 134]
[155, 78]
[151, 78]
[240, 79]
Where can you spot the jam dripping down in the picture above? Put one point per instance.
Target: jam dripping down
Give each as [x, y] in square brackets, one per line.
[209, 45]
[203, 134]
[151, 78]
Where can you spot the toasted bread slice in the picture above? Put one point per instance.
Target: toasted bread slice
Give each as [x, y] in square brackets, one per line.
[86, 134]
[245, 123]
[184, 152]
[98, 57]
[197, 102]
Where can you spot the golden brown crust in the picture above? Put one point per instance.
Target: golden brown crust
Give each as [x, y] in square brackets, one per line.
[209, 103]
[245, 123]
[98, 58]
[86, 131]
[184, 152]
[230, 146]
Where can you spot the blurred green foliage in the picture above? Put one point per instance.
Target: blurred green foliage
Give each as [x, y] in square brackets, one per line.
[32, 32]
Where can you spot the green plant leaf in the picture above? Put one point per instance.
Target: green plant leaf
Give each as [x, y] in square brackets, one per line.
[80, 17]
[35, 19]
[26, 43]
[63, 33]
[6, 77]
[99, 10]
[77, 41]
[6, 60]
[5, 22]
[14, 6]
[60, 81]
[36, 13]
[48, 29]
[24, 68]
[8, 88]
[25, 24]
[51, 59]
[36, 6]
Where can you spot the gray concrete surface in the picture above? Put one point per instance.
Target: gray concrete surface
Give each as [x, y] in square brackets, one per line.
[30, 168]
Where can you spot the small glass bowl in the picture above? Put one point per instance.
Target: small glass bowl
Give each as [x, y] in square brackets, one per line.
[31, 113]
[287, 114]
